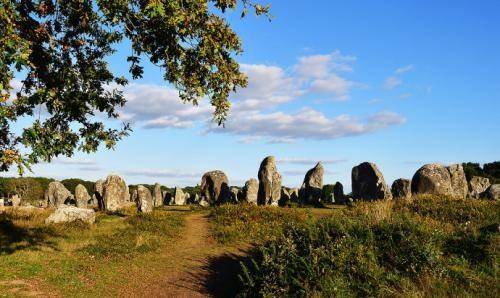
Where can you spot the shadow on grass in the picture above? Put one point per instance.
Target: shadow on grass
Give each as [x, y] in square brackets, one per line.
[14, 238]
[222, 279]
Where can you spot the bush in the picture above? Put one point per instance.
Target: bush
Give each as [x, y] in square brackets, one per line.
[408, 248]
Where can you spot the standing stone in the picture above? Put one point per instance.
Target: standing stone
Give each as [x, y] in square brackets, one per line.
[82, 197]
[179, 197]
[368, 183]
[401, 189]
[134, 195]
[56, 194]
[235, 194]
[285, 196]
[93, 203]
[115, 193]
[294, 195]
[459, 186]
[15, 200]
[2, 202]
[312, 187]
[338, 193]
[144, 199]
[269, 182]
[493, 192]
[433, 179]
[187, 198]
[478, 186]
[214, 188]
[157, 195]
[98, 192]
[250, 191]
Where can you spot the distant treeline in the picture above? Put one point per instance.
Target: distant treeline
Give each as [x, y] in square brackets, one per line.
[489, 170]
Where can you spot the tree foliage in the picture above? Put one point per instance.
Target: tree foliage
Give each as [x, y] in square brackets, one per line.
[58, 49]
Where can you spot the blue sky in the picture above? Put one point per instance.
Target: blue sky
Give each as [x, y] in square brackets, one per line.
[398, 83]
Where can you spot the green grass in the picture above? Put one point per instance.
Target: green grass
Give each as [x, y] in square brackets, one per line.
[426, 247]
[77, 259]
[254, 224]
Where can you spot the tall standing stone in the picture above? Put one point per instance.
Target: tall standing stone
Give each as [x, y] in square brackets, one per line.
[285, 196]
[214, 188]
[338, 193]
[459, 185]
[368, 183]
[115, 193]
[179, 198]
[269, 182]
[312, 187]
[82, 197]
[56, 194]
[433, 179]
[157, 196]
[98, 193]
[250, 191]
[144, 200]
[401, 189]
[478, 186]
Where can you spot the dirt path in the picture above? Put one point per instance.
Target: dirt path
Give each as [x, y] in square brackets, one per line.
[194, 266]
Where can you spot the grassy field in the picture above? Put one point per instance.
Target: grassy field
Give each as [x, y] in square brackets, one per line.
[418, 248]
[75, 259]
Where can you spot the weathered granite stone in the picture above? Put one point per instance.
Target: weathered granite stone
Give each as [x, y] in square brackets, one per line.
[401, 189]
[312, 187]
[66, 213]
[459, 185]
[82, 197]
[478, 186]
[433, 179]
[157, 196]
[214, 188]
[179, 198]
[269, 182]
[368, 183]
[493, 192]
[56, 194]
[250, 191]
[285, 196]
[338, 193]
[144, 200]
[115, 193]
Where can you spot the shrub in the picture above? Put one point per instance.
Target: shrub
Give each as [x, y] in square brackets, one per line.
[407, 247]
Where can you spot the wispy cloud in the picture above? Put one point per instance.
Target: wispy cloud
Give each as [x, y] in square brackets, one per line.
[392, 82]
[404, 69]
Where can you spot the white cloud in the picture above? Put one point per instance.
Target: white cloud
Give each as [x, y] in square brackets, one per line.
[305, 124]
[153, 106]
[66, 161]
[404, 69]
[332, 84]
[392, 82]
[320, 66]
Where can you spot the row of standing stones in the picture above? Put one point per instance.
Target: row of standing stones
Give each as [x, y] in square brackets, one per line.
[368, 184]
